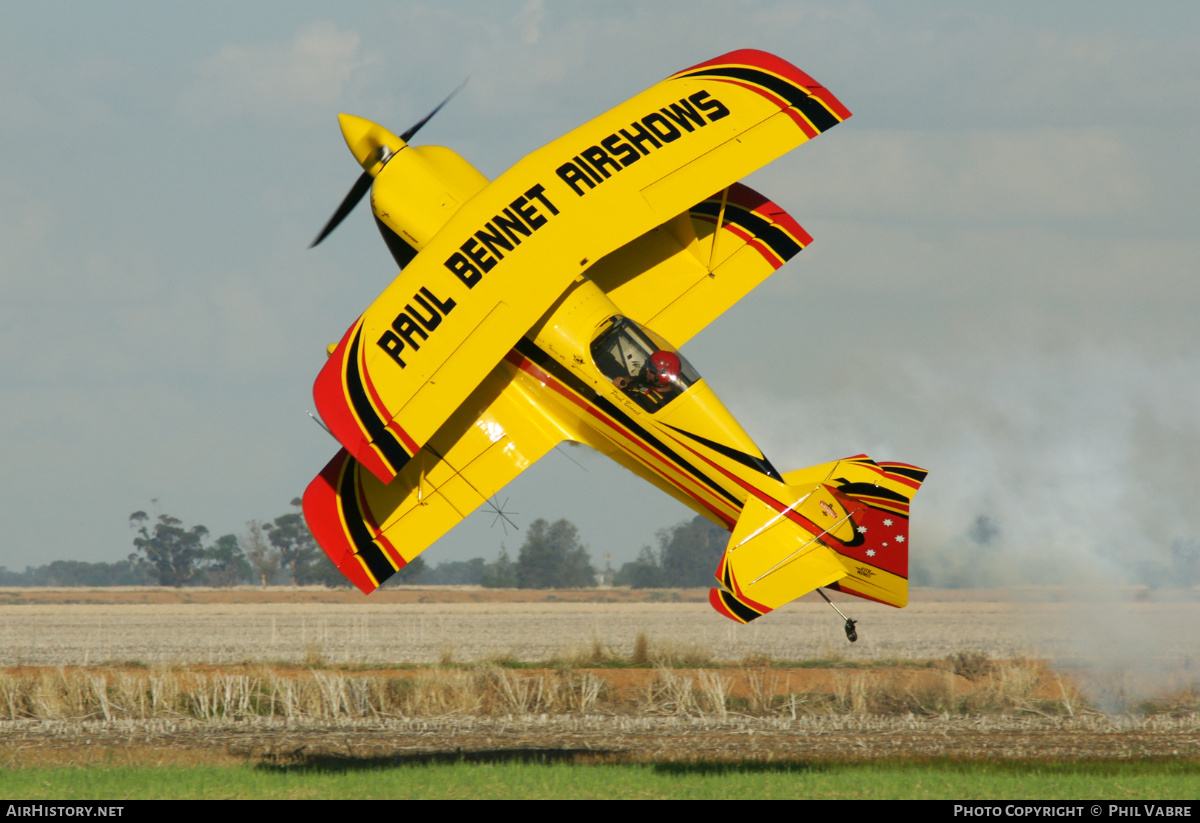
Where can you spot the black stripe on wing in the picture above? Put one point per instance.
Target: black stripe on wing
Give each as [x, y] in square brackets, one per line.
[774, 237]
[366, 548]
[377, 429]
[812, 108]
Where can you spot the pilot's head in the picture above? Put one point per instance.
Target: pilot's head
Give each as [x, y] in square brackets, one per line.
[664, 369]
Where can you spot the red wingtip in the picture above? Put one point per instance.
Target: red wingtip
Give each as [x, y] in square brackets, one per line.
[748, 198]
[329, 394]
[776, 65]
[714, 598]
[321, 513]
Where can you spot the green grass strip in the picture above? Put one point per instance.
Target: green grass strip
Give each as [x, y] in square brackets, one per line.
[515, 779]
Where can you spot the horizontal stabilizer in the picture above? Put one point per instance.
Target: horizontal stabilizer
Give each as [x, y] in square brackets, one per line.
[843, 525]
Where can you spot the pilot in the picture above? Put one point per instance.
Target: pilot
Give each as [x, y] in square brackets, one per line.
[657, 381]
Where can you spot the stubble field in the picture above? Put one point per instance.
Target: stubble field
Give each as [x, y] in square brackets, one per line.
[72, 627]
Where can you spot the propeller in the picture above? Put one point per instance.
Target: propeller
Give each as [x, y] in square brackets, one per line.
[361, 186]
[408, 135]
[373, 164]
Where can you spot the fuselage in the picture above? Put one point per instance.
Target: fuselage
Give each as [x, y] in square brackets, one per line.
[690, 446]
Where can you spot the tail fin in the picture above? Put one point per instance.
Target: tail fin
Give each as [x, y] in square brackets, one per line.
[843, 525]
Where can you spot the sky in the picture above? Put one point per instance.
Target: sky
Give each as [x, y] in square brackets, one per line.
[1002, 287]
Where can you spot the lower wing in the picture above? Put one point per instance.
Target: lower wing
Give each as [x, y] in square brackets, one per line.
[686, 273]
[371, 530]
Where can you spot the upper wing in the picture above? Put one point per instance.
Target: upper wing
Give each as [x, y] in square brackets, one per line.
[680, 277]
[506, 255]
[370, 529]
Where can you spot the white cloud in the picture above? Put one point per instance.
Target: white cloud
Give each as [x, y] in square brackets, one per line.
[531, 16]
[270, 78]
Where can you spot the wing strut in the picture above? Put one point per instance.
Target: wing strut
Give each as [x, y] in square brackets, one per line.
[421, 478]
[712, 254]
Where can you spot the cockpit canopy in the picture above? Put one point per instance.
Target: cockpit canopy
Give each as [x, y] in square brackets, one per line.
[649, 370]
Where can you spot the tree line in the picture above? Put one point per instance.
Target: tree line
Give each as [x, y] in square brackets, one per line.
[283, 551]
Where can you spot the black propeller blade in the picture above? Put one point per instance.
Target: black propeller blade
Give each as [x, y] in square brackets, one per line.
[408, 135]
[363, 184]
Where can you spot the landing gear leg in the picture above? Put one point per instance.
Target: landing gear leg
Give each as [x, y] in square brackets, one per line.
[851, 633]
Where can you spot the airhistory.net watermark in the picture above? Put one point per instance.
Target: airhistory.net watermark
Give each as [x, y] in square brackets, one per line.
[50, 810]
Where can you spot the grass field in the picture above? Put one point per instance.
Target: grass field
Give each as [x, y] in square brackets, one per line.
[536, 776]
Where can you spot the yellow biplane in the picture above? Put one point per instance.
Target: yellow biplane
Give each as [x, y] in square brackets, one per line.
[548, 305]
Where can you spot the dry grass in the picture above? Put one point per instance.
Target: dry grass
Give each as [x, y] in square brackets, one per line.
[204, 676]
[175, 715]
[641, 650]
[970, 664]
[81, 695]
[248, 693]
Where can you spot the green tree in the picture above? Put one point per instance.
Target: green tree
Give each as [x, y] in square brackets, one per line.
[80, 573]
[170, 551]
[690, 552]
[300, 558]
[687, 556]
[455, 573]
[552, 558]
[262, 556]
[502, 574]
[414, 571]
[644, 573]
[226, 563]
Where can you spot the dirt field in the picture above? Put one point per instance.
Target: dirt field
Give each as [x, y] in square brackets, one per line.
[595, 739]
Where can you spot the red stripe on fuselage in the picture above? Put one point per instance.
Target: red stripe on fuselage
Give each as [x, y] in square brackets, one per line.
[525, 364]
[787, 510]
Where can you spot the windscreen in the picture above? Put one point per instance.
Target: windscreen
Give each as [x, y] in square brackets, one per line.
[649, 370]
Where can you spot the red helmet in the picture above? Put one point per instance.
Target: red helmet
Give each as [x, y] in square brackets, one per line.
[667, 366]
